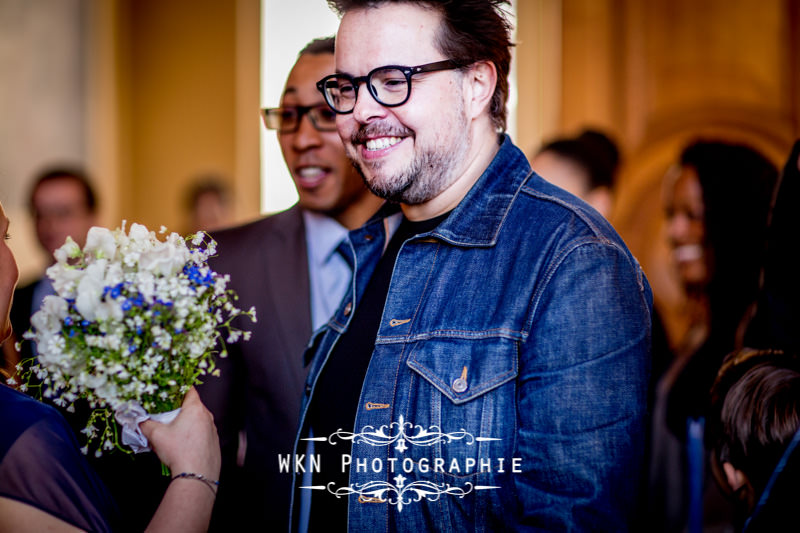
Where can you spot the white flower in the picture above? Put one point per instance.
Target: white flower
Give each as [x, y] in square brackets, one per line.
[107, 310]
[90, 290]
[48, 319]
[138, 233]
[113, 275]
[100, 243]
[65, 278]
[163, 259]
[68, 250]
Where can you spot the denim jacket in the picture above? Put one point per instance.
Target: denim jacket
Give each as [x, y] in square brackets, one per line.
[507, 387]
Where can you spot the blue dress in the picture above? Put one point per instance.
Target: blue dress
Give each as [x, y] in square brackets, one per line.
[41, 465]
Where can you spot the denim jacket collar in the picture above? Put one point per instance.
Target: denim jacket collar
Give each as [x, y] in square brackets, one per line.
[477, 219]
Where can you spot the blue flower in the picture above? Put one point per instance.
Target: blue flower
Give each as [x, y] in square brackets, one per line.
[116, 291]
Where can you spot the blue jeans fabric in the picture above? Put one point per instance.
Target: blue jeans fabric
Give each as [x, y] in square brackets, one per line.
[507, 388]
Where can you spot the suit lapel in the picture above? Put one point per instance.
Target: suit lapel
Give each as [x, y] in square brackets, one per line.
[286, 259]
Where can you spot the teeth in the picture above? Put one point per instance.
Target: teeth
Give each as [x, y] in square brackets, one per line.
[688, 252]
[383, 142]
[310, 172]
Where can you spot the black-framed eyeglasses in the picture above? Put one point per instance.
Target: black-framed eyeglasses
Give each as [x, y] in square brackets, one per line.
[287, 119]
[390, 86]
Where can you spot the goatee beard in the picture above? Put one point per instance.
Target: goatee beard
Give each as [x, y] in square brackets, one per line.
[425, 177]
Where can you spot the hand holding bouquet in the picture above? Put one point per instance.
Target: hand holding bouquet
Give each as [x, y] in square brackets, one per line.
[135, 323]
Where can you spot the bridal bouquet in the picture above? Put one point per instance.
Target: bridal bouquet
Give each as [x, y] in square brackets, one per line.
[136, 321]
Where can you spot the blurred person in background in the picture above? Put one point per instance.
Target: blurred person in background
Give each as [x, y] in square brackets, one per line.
[755, 432]
[208, 204]
[584, 165]
[288, 267]
[717, 201]
[776, 317]
[62, 204]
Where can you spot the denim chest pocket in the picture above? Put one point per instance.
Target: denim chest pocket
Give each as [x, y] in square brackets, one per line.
[463, 397]
[464, 369]
[441, 441]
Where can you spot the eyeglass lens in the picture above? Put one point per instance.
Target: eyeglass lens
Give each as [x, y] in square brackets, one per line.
[287, 119]
[388, 86]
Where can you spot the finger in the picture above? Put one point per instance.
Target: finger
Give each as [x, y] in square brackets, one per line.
[191, 398]
[148, 427]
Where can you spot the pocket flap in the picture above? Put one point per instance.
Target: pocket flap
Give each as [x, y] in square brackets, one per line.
[464, 369]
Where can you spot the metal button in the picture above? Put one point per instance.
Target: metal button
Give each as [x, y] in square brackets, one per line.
[368, 237]
[348, 308]
[459, 385]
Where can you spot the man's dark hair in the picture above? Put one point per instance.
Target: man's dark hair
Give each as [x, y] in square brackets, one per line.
[755, 411]
[64, 173]
[471, 31]
[322, 45]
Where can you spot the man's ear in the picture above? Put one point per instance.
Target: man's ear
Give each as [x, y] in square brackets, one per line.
[738, 481]
[481, 80]
[736, 478]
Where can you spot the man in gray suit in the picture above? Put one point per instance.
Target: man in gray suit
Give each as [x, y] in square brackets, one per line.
[287, 266]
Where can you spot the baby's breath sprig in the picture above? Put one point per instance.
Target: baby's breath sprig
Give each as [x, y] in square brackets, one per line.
[135, 318]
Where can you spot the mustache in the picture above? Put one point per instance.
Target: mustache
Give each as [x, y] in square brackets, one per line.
[366, 131]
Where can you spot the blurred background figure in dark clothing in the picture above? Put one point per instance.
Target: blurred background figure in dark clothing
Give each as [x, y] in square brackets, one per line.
[776, 317]
[584, 165]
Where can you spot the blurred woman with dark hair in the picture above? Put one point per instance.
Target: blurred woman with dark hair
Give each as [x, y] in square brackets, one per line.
[717, 211]
[717, 203]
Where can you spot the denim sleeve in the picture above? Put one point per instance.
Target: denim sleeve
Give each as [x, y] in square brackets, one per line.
[582, 392]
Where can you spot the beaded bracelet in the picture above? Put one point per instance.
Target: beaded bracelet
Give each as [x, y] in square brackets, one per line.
[210, 483]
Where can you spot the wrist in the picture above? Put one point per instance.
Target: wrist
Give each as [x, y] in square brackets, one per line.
[212, 484]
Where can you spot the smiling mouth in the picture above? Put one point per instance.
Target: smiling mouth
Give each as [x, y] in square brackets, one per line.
[381, 143]
[688, 252]
[310, 176]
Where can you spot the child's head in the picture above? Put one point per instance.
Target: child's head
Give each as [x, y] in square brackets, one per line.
[756, 400]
